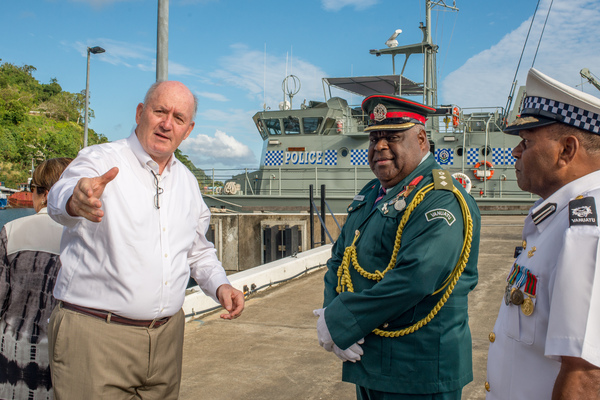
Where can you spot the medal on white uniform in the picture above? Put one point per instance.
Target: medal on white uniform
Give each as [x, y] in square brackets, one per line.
[516, 296]
[527, 306]
[530, 288]
[507, 294]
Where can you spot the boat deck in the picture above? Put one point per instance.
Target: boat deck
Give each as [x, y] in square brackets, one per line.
[271, 352]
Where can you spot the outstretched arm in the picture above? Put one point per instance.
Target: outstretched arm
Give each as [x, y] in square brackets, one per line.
[85, 201]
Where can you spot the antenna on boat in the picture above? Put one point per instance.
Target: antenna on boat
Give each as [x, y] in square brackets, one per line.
[265, 79]
[392, 42]
[290, 87]
[428, 87]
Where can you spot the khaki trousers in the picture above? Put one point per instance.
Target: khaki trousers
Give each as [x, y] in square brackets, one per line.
[93, 359]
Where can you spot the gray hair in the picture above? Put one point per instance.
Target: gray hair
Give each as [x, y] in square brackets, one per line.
[588, 140]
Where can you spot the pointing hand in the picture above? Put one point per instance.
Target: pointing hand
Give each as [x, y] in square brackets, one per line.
[85, 201]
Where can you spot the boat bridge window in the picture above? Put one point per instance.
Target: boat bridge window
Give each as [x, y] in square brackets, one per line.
[311, 124]
[291, 126]
[273, 126]
[261, 129]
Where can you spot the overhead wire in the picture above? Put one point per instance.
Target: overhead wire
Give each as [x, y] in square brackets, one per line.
[542, 34]
[514, 82]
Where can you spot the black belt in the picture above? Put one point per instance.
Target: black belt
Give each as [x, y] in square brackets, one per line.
[110, 317]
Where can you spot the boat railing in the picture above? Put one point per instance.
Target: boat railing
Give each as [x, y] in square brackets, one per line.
[321, 216]
[341, 182]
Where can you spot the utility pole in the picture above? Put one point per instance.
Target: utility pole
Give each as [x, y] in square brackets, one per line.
[162, 42]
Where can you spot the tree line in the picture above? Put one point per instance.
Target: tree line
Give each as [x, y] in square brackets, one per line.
[39, 121]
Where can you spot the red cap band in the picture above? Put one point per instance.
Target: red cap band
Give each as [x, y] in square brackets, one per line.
[416, 116]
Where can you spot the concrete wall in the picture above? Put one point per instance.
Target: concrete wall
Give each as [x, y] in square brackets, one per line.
[239, 237]
[256, 279]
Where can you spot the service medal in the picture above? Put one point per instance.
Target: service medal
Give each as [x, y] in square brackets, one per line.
[400, 205]
[507, 294]
[517, 297]
[527, 306]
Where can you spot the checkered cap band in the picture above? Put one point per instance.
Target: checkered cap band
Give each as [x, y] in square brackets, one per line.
[571, 115]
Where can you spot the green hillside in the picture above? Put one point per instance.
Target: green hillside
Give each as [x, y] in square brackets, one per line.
[40, 121]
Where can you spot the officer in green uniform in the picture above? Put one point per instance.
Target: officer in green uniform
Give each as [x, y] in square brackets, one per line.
[395, 306]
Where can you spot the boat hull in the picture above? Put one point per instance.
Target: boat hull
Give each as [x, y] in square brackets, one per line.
[21, 200]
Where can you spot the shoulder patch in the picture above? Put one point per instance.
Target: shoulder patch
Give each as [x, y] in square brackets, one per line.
[583, 212]
[440, 213]
[442, 179]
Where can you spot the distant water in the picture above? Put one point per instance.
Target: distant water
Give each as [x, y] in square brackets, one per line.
[9, 214]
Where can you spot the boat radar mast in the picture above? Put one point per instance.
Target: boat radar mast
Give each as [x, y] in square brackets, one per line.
[290, 87]
[428, 87]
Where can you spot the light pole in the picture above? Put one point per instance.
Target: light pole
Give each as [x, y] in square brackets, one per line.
[92, 50]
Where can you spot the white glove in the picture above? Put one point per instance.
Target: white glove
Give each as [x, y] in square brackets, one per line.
[351, 354]
[325, 339]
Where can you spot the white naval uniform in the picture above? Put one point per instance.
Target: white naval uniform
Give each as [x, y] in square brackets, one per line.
[525, 351]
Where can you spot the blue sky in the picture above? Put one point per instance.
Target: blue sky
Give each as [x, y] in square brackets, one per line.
[234, 54]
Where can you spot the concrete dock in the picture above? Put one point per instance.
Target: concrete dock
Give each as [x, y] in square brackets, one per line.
[271, 351]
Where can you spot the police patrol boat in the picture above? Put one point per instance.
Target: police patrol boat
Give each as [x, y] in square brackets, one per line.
[324, 143]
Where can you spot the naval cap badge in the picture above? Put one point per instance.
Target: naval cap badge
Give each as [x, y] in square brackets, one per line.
[379, 112]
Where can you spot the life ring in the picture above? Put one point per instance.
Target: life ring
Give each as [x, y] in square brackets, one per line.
[230, 188]
[464, 180]
[455, 116]
[487, 172]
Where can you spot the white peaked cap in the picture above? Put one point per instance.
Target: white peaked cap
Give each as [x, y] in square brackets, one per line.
[549, 101]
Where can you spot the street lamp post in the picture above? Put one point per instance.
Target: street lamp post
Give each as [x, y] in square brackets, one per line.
[92, 50]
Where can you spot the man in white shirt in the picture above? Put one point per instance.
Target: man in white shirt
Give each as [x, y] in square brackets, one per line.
[135, 226]
[546, 340]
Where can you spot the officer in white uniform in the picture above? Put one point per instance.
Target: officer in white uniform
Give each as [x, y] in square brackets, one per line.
[546, 340]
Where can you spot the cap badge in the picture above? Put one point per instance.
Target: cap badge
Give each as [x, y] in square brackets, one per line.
[379, 112]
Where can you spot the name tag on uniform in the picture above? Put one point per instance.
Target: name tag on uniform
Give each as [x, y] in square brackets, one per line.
[359, 197]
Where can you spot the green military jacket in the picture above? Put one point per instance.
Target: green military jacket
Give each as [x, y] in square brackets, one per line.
[436, 358]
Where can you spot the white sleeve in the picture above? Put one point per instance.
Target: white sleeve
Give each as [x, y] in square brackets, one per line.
[206, 268]
[574, 318]
[88, 164]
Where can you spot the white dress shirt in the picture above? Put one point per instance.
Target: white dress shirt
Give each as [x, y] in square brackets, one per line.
[525, 353]
[136, 262]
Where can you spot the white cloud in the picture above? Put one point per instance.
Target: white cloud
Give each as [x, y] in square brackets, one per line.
[568, 45]
[336, 5]
[177, 69]
[120, 53]
[245, 69]
[194, 2]
[130, 55]
[220, 151]
[212, 96]
[100, 3]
